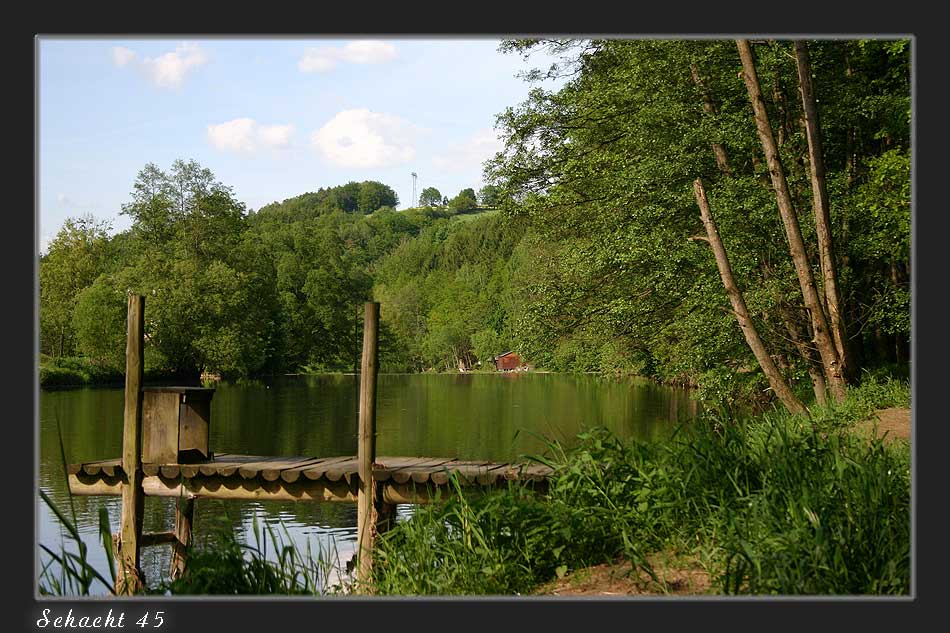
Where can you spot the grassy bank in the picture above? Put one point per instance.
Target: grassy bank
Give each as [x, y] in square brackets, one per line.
[69, 371]
[774, 504]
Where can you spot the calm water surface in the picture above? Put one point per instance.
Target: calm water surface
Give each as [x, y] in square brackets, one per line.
[467, 416]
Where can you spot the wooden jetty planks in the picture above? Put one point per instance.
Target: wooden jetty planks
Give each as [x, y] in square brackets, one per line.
[272, 471]
[227, 466]
[467, 471]
[107, 466]
[400, 469]
[252, 470]
[311, 471]
[395, 470]
[531, 471]
[347, 469]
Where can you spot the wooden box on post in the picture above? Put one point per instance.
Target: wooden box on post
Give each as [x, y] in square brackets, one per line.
[175, 424]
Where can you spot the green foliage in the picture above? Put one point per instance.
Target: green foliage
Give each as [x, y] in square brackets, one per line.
[430, 197]
[601, 171]
[69, 573]
[444, 293]
[75, 257]
[77, 370]
[99, 321]
[832, 516]
[464, 202]
[774, 504]
[225, 566]
[354, 197]
[593, 260]
[489, 195]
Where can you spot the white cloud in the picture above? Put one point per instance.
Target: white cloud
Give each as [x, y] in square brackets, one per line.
[245, 136]
[317, 60]
[169, 70]
[471, 153]
[275, 136]
[121, 56]
[368, 52]
[326, 58]
[361, 138]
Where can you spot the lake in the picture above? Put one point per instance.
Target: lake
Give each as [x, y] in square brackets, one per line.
[467, 416]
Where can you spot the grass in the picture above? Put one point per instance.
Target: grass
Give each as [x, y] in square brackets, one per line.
[224, 566]
[221, 565]
[777, 504]
[75, 370]
[67, 371]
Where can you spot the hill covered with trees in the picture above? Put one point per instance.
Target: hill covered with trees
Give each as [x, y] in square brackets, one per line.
[586, 251]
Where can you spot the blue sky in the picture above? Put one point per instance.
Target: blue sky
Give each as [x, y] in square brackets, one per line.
[271, 118]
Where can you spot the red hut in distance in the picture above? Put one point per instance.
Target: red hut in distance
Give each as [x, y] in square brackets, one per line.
[508, 361]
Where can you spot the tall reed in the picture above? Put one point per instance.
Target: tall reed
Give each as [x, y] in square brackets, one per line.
[777, 504]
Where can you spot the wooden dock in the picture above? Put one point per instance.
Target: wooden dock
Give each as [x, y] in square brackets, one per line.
[166, 453]
[255, 477]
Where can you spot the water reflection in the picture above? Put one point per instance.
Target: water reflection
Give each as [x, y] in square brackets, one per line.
[467, 416]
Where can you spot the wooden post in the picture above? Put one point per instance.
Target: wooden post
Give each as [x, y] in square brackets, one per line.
[368, 502]
[184, 515]
[129, 577]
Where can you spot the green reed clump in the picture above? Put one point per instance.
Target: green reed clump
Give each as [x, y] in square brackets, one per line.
[73, 574]
[776, 504]
[222, 565]
[487, 544]
[832, 516]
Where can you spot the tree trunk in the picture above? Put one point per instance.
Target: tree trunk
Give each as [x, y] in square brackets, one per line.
[819, 386]
[774, 376]
[826, 347]
[821, 208]
[778, 97]
[722, 159]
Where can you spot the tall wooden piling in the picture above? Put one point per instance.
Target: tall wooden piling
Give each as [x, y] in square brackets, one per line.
[129, 577]
[184, 515]
[369, 500]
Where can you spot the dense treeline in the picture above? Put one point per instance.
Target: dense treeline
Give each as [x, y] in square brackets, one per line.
[242, 293]
[597, 258]
[605, 172]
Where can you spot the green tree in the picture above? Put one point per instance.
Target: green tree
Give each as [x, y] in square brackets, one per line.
[489, 195]
[430, 197]
[99, 322]
[463, 202]
[77, 255]
[602, 170]
[375, 195]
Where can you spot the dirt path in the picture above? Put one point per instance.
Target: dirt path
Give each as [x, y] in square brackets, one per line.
[891, 424]
[674, 578]
[688, 577]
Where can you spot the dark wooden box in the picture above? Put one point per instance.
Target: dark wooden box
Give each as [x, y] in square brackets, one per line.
[175, 424]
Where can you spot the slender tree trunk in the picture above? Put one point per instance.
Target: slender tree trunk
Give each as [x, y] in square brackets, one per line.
[822, 208]
[800, 340]
[807, 352]
[772, 373]
[778, 97]
[722, 159]
[826, 347]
